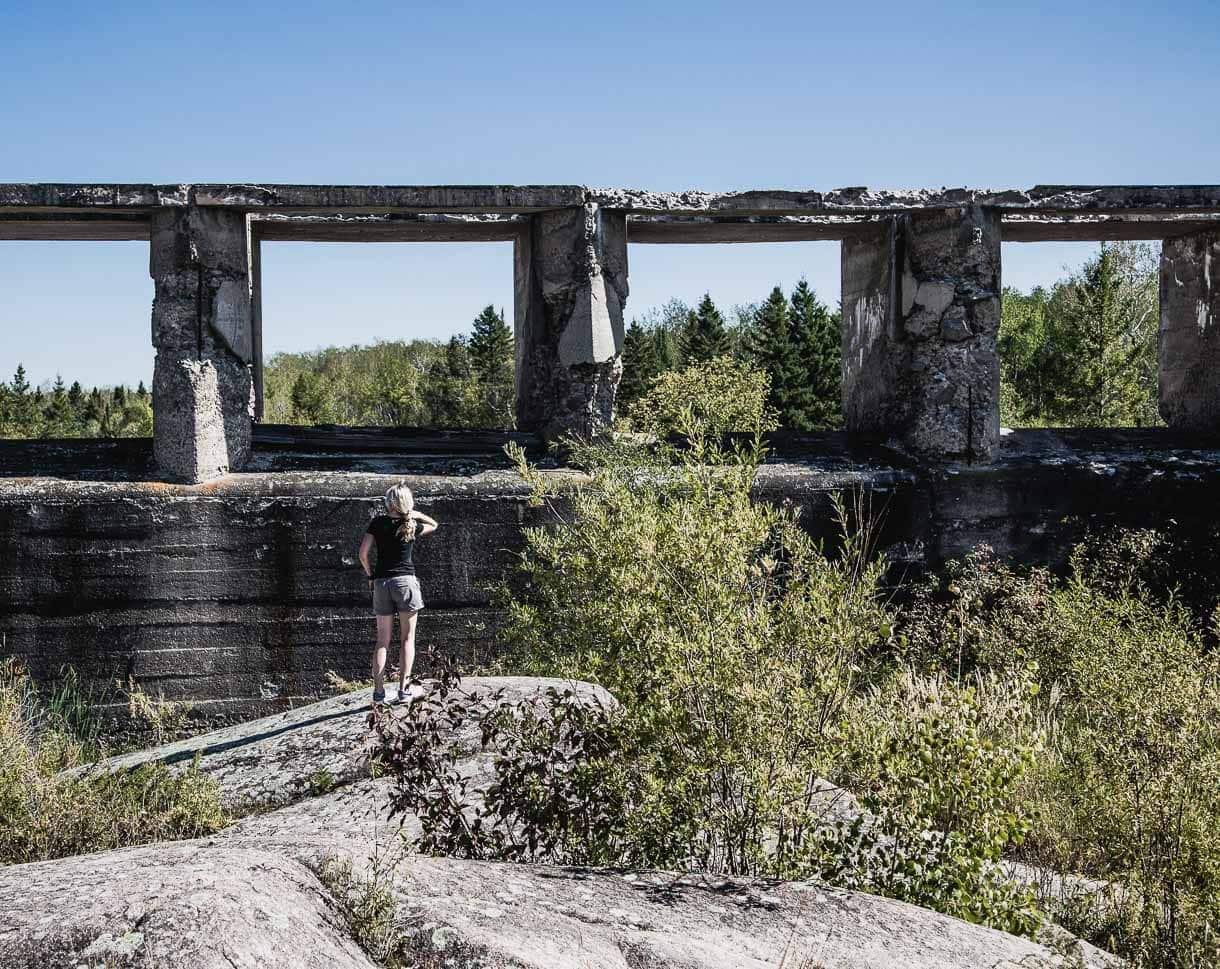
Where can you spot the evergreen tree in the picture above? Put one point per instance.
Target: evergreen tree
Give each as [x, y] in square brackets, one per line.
[24, 412]
[59, 411]
[769, 344]
[491, 360]
[142, 390]
[448, 392]
[640, 363]
[666, 348]
[705, 337]
[816, 343]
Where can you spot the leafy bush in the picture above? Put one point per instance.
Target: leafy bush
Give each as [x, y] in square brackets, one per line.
[709, 398]
[1126, 789]
[746, 665]
[45, 813]
[937, 767]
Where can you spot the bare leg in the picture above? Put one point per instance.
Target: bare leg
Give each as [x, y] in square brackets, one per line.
[406, 620]
[385, 629]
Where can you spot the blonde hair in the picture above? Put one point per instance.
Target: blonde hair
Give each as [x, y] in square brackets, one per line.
[399, 503]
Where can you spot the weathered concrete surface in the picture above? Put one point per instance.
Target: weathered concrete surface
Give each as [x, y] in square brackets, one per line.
[203, 388]
[1091, 199]
[571, 287]
[1189, 337]
[921, 314]
[242, 593]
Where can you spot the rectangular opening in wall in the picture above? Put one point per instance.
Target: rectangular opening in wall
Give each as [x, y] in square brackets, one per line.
[764, 309]
[388, 334]
[76, 356]
[1078, 334]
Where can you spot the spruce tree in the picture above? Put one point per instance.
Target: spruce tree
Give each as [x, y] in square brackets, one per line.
[491, 360]
[817, 345]
[705, 337]
[770, 346]
[59, 411]
[23, 409]
[640, 363]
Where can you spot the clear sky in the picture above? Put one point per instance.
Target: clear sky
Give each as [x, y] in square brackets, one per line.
[665, 96]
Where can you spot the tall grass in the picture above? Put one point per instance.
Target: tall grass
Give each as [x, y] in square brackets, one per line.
[47, 811]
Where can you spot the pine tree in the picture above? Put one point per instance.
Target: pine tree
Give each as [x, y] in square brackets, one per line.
[142, 390]
[816, 342]
[640, 363]
[770, 347]
[705, 337]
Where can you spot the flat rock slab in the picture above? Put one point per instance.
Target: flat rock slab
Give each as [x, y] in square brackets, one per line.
[290, 757]
[238, 902]
[190, 905]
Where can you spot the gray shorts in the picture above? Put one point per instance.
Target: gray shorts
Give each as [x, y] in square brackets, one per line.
[400, 593]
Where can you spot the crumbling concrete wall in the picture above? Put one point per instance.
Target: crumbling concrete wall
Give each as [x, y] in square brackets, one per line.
[241, 594]
[921, 315]
[571, 288]
[1189, 338]
[203, 390]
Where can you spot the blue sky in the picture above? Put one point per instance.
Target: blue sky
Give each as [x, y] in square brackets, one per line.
[664, 96]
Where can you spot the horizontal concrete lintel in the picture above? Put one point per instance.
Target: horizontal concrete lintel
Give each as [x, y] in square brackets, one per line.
[680, 230]
[304, 199]
[74, 227]
[1131, 228]
[419, 227]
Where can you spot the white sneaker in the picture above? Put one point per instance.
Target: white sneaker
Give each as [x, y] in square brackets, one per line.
[412, 693]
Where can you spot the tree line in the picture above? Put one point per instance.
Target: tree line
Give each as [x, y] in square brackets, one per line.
[1079, 353]
[63, 411]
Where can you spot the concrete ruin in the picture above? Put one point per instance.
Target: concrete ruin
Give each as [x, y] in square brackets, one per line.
[921, 289]
[216, 562]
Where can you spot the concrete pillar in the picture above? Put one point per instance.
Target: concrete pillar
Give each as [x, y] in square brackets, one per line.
[921, 314]
[1189, 337]
[202, 383]
[571, 287]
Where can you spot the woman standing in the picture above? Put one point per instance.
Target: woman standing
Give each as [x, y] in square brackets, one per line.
[394, 583]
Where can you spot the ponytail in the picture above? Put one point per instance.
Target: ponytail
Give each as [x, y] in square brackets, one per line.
[399, 503]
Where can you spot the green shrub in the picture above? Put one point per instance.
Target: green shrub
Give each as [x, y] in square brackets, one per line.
[711, 398]
[45, 813]
[1125, 790]
[937, 766]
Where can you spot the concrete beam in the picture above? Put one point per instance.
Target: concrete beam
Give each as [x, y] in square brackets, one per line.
[686, 230]
[70, 227]
[571, 287]
[406, 227]
[203, 333]
[921, 314]
[528, 199]
[1020, 227]
[1189, 337]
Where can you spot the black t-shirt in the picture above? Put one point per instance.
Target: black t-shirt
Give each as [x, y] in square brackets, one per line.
[394, 556]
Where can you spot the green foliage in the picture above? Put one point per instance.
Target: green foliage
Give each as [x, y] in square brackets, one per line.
[641, 364]
[816, 344]
[1084, 353]
[712, 398]
[70, 412]
[491, 359]
[1126, 789]
[45, 813]
[772, 351]
[366, 902]
[704, 337]
[937, 765]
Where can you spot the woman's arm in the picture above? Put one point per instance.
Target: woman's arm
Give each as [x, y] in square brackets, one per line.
[429, 524]
[366, 546]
